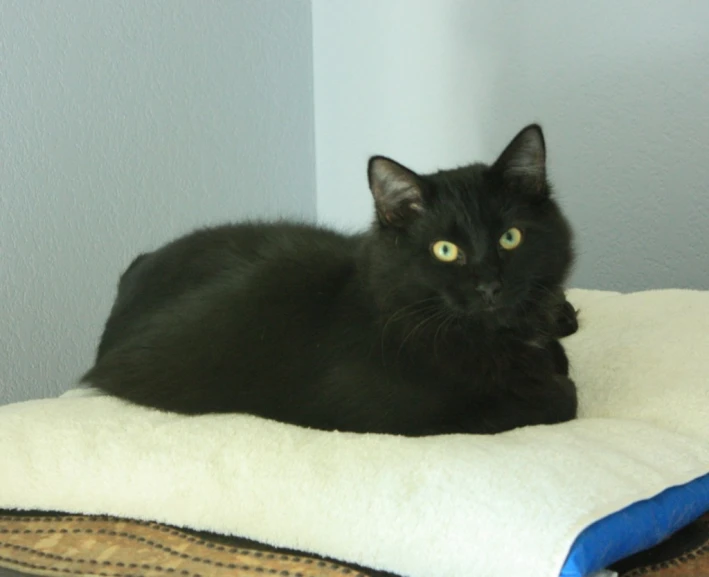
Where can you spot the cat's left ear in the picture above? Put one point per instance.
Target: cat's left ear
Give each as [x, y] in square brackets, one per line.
[397, 191]
[523, 163]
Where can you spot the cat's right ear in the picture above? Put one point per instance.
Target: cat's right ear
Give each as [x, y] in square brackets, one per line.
[396, 190]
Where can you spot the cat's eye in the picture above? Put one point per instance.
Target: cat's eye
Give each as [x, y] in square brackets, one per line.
[511, 239]
[446, 251]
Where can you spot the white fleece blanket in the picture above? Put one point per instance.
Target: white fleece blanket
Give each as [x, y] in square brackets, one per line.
[452, 506]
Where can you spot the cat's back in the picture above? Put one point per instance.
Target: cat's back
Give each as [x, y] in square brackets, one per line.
[208, 252]
[253, 257]
[234, 249]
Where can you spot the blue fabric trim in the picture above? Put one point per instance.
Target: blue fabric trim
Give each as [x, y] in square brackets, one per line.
[636, 528]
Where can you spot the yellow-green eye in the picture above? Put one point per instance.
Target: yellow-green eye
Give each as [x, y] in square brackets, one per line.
[445, 251]
[511, 239]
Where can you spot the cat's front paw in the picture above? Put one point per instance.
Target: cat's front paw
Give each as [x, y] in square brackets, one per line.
[559, 358]
[564, 406]
[567, 321]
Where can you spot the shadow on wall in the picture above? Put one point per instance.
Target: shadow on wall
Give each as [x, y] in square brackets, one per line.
[621, 90]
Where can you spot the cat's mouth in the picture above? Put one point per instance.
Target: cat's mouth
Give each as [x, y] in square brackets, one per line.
[474, 308]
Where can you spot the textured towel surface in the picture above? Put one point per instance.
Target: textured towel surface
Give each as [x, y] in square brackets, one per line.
[644, 356]
[444, 506]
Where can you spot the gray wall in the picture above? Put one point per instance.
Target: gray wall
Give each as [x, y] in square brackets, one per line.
[621, 88]
[123, 124]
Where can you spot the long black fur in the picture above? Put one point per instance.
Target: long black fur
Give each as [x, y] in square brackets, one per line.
[366, 332]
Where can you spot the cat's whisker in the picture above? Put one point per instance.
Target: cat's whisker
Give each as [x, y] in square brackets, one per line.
[417, 327]
[409, 310]
[422, 306]
[447, 321]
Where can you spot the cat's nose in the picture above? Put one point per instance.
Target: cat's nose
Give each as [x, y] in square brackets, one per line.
[490, 290]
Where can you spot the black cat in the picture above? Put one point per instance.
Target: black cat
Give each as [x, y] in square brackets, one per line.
[444, 317]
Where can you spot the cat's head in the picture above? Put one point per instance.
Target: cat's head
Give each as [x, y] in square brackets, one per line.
[477, 240]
